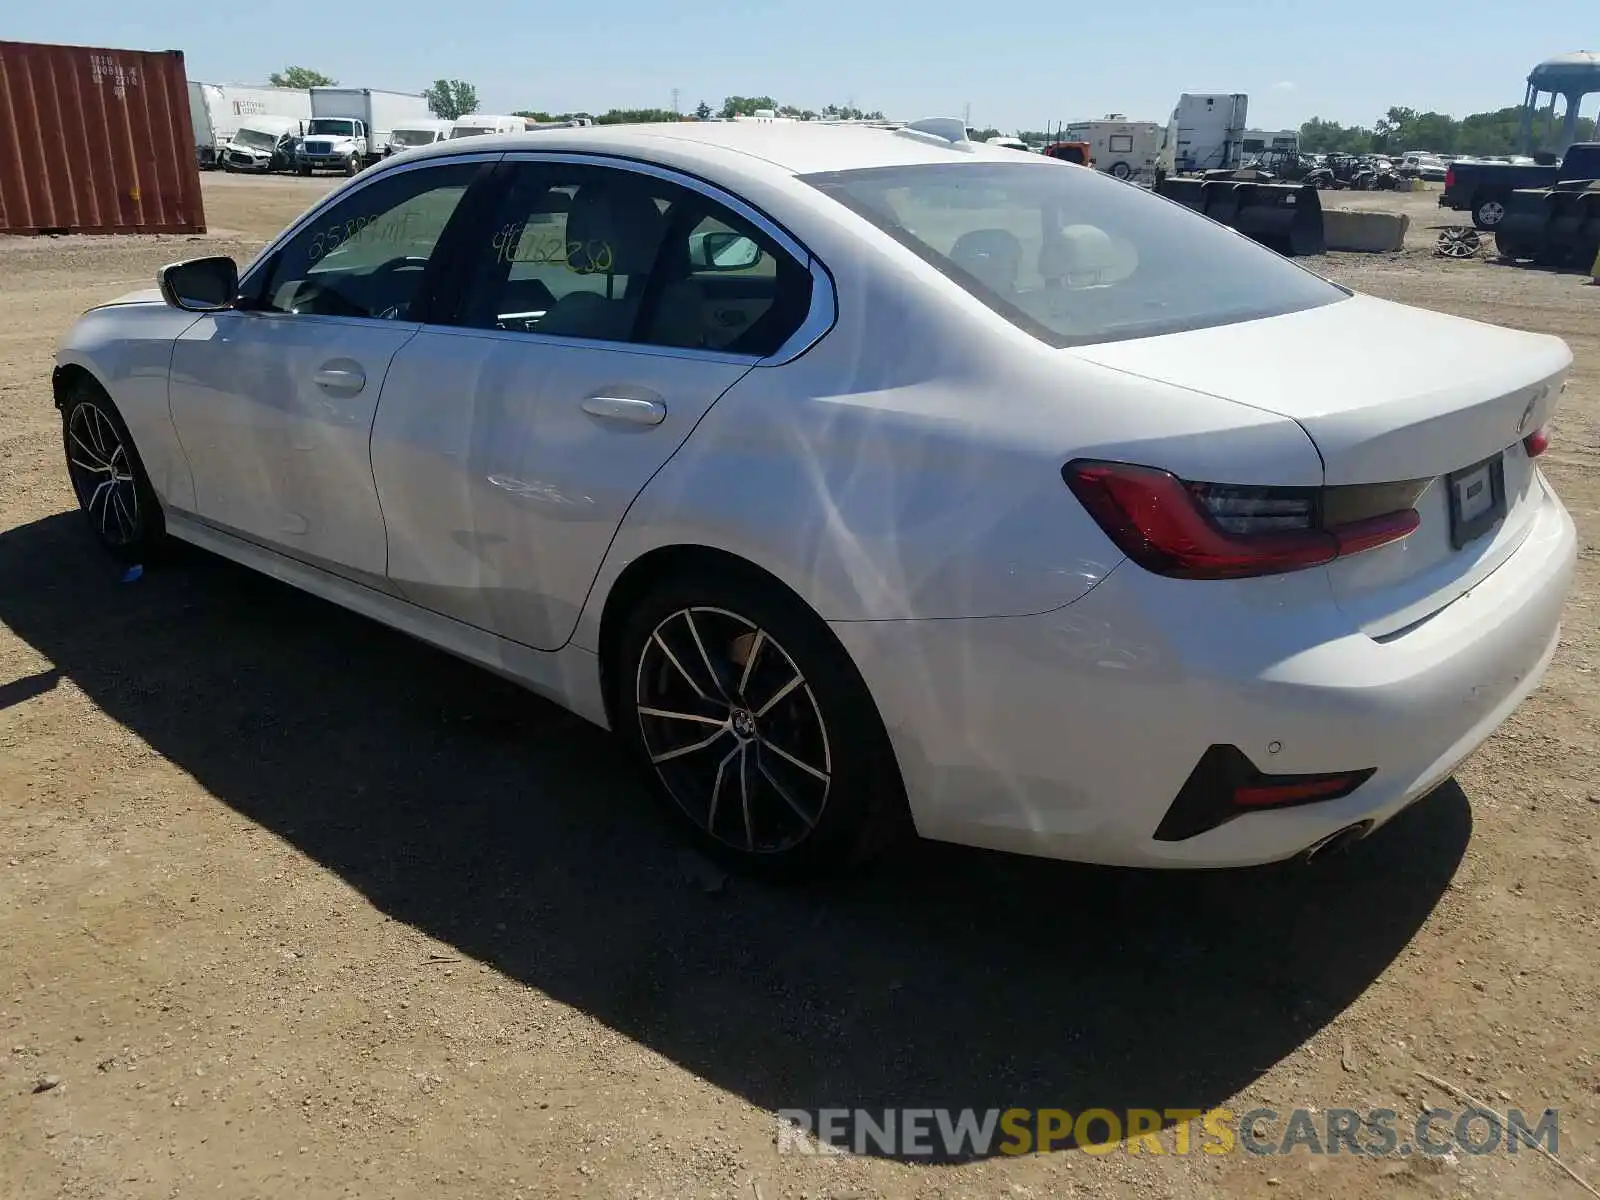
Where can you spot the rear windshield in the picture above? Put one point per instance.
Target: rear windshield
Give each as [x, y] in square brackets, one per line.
[1072, 256]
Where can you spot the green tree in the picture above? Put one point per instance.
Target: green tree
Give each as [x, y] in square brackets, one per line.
[635, 116]
[300, 77]
[452, 98]
[1401, 129]
[744, 106]
[703, 111]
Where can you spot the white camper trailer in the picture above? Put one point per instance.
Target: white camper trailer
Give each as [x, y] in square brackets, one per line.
[1120, 147]
[216, 109]
[1206, 132]
[1263, 141]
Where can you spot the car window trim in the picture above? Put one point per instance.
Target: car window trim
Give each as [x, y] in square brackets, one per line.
[820, 316]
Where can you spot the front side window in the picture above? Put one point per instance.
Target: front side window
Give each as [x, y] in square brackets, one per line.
[367, 255]
[602, 253]
[1074, 257]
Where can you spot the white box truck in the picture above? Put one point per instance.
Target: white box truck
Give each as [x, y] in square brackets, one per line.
[1206, 132]
[1120, 147]
[351, 128]
[215, 110]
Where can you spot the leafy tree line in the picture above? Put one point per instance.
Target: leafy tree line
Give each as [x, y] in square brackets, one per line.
[732, 106]
[1402, 129]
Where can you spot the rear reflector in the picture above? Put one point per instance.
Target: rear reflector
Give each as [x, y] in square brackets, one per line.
[1225, 784]
[1537, 442]
[1223, 531]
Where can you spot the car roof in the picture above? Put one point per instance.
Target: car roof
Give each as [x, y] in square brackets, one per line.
[793, 147]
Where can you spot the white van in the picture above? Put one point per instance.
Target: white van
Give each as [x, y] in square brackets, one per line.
[475, 124]
[262, 144]
[1120, 147]
[418, 131]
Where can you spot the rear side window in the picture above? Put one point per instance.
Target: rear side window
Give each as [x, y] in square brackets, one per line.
[1074, 257]
[602, 253]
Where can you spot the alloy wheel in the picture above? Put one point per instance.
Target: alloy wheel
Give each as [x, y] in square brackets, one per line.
[102, 474]
[733, 730]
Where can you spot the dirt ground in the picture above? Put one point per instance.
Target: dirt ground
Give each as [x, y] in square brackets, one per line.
[290, 904]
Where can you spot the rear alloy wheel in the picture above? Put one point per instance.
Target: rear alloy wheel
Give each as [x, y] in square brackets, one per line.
[756, 728]
[109, 480]
[1489, 213]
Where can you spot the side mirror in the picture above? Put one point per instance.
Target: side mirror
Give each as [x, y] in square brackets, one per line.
[724, 250]
[200, 284]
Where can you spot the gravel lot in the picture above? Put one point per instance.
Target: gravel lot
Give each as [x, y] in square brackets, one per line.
[291, 904]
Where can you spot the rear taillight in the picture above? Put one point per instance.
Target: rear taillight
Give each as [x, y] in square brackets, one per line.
[1537, 442]
[1449, 178]
[1221, 531]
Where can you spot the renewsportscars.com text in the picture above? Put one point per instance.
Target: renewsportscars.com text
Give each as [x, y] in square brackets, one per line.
[974, 1133]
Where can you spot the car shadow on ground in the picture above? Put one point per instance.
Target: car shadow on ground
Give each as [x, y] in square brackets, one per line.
[491, 819]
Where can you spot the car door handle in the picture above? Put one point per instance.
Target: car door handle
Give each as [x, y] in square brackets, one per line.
[626, 408]
[340, 379]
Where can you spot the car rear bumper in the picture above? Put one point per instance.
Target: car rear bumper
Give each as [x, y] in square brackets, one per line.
[1069, 734]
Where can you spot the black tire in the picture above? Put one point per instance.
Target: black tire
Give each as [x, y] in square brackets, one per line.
[1511, 248]
[1121, 170]
[304, 169]
[1488, 211]
[784, 821]
[108, 476]
[353, 166]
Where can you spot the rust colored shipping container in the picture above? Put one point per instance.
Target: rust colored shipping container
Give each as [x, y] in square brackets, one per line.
[96, 141]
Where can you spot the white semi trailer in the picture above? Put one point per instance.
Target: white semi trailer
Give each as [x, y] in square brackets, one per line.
[1206, 132]
[216, 110]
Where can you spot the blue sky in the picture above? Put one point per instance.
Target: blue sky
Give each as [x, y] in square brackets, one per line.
[1344, 60]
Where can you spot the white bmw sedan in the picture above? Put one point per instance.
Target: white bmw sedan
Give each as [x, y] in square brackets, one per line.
[865, 480]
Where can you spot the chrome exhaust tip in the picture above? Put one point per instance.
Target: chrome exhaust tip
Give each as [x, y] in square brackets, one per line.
[1335, 842]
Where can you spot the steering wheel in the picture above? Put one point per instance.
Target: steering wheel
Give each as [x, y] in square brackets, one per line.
[381, 276]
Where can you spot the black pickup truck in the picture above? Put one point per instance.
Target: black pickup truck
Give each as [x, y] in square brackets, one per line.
[1482, 188]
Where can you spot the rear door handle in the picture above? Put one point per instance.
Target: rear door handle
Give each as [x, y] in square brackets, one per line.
[340, 379]
[626, 408]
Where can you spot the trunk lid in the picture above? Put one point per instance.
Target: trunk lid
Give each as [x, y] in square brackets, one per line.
[1387, 393]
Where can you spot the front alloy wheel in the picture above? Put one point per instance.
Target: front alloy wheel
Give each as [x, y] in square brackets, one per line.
[101, 468]
[107, 476]
[733, 730]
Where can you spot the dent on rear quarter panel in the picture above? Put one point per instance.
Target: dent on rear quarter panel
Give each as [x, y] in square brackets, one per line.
[909, 466]
[128, 349]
